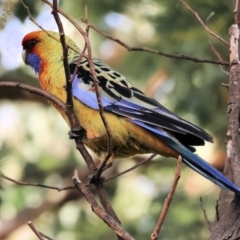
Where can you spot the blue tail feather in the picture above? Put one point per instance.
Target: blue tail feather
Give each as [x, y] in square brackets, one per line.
[192, 160]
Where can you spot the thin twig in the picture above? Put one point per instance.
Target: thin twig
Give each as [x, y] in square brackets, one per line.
[205, 215]
[74, 123]
[77, 63]
[45, 236]
[210, 16]
[59, 189]
[30, 224]
[217, 54]
[145, 49]
[109, 220]
[131, 168]
[202, 23]
[101, 192]
[101, 110]
[37, 91]
[79, 144]
[69, 101]
[129, 48]
[31, 18]
[225, 69]
[225, 85]
[96, 85]
[85, 10]
[35, 184]
[167, 201]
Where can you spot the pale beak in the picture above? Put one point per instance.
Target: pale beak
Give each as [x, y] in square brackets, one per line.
[24, 56]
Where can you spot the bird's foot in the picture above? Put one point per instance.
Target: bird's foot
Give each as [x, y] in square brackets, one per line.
[77, 133]
[96, 176]
[93, 179]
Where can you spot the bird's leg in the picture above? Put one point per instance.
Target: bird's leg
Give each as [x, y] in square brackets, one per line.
[77, 133]
[95, 177]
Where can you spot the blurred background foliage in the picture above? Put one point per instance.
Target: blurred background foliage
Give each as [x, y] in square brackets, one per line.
[34, 145]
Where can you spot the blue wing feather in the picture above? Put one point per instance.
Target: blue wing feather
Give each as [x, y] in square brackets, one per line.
[87, 97]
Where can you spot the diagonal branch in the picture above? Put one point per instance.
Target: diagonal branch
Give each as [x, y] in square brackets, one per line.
[109, 220]
[145, 49]
[167, 202]
[45, 236]
[37, 233]
[202, 23]
[92, 69]
[205, 215]
[20, 183]
[79, 144]
[69, 100]
[37, 91]
[131, 168]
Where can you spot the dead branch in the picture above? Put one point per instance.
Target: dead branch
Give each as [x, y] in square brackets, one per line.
[145, 49]
[167, 201]
[37, 91]
[140, 49]
[96, 85]
[131, 168]
[20, 183]
[205, 215]
[202, 23]
[69, 100]
[109, 220]
[37, 233]
[45, 236]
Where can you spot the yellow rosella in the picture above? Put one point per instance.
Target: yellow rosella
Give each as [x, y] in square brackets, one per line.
[138, 124]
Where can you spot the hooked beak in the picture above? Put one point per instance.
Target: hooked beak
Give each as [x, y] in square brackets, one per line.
[24, 56]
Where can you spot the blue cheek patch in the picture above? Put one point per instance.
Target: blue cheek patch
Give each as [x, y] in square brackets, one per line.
[34, 61]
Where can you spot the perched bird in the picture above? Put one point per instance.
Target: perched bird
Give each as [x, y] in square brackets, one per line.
[138, 124]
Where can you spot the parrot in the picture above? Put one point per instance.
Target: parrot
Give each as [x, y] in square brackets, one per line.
[138, 124]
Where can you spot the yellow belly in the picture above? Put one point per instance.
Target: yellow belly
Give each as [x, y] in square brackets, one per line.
[128, 138]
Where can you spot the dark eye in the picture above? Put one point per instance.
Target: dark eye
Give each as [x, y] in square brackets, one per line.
[31, 43]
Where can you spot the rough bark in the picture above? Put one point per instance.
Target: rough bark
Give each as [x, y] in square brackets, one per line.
[227, 223]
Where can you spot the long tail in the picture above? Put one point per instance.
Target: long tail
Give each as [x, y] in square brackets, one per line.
[204, 168]
[192, 160]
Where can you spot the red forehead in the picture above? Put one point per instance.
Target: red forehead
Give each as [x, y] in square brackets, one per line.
[37, 35]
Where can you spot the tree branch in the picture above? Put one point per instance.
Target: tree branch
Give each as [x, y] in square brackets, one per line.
[167, 201]
[96, 85]
[37, 233]
[145, 49]
[202, 23]
[69, 100]
[131, 168]
[20, 183]
[205, 215]
[37, 91]
[109, 220]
